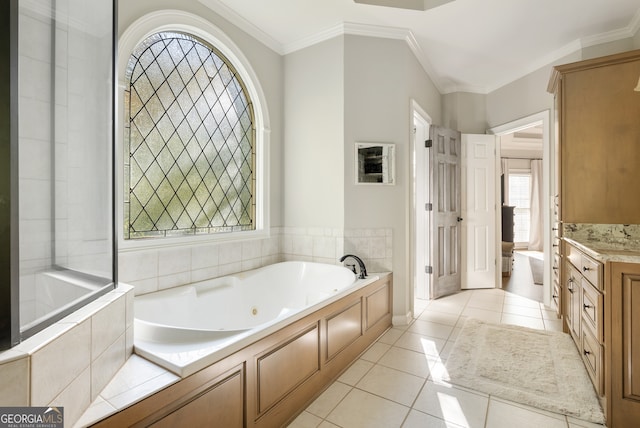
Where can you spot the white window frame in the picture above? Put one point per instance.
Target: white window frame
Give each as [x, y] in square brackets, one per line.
[519, 171]
[174, 20]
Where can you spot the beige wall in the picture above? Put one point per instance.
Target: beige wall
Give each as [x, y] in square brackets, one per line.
[382, 76]
[465, 111]
[314, 136]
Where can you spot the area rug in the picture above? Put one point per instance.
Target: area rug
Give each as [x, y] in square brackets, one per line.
[536, 269]
[538, 368]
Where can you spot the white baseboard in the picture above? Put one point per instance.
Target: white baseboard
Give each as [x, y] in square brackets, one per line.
[402, 319]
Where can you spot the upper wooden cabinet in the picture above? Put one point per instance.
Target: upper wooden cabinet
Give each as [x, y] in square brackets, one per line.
[599, 133]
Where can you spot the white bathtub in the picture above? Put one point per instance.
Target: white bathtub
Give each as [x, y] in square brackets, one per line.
[187, 328]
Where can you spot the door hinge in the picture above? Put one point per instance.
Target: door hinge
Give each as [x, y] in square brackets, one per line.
[428, 143]
[428, 269]
[428, 206]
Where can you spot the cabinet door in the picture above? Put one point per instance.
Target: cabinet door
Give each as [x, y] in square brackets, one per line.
[220, 406]
[623, 345]
[572, 301]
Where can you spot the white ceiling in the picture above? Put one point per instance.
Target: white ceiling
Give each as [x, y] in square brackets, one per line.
[464, 45]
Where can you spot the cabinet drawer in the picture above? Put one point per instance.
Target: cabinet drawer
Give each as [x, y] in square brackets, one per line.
[592, 270]
[556, 298]
[592, 310]
[592, 355]
[574, 256]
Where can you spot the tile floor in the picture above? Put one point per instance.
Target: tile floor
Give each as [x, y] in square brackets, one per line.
[397, 382]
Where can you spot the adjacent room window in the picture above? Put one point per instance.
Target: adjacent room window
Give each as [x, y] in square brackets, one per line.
[189, 141]
[520, 197]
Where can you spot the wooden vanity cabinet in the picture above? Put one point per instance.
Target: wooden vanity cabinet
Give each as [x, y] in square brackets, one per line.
[622, 338]
[598, 135]
[584, 311]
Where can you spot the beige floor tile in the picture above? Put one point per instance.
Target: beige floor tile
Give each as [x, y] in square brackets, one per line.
[488, 302]
[360, 409]
[497, 293]
[483, 314]
[523, 321]
[394, 385]
[375, 351]
[305, 420]
[355, 372]
[415, 363]
[504, 415]
[418, 419]
[391, 336]
[549, 314]
[431, 329]
[453, 308]
[522, 310]
[521, 301]
[419, 343]
[327, 424]
[446, 351]
[329, 399]
[445, 318]
[453, 405]
[438, 371]
[420, 305]
[486, 305]
[553, 325]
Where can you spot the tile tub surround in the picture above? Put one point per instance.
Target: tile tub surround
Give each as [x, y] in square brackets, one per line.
[155, 269]
[70, 362]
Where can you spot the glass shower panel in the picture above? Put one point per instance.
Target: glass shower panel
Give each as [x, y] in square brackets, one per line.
[65, 62]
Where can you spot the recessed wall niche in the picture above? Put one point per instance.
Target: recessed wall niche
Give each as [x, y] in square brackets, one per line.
[375, 163]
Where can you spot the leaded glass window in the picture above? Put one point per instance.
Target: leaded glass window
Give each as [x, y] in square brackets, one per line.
[189, 143]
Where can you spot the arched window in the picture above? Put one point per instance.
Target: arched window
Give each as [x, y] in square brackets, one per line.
[189, 141]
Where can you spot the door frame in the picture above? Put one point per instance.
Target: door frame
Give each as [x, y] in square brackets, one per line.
[542, 118]
[418, 287]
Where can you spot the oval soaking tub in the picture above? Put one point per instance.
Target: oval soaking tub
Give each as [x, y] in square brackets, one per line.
[187, 328]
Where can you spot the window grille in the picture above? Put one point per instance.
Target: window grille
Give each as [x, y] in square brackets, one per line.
[189, 143]
[520, 197]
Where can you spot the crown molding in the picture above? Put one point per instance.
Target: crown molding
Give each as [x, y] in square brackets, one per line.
[236, 19]
[611, 36]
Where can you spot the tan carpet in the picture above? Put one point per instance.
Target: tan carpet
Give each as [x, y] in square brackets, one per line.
[542, 369]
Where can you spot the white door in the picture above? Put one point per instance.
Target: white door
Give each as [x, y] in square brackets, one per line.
[422, 219]
[445, 215]
[479, 207]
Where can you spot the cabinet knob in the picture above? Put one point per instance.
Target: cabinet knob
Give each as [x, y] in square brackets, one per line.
[585, 352]
[585, 268]
[555, 296]
[584, 305]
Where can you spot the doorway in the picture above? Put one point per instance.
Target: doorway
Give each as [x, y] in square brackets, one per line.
[518, 143]
[420, 217]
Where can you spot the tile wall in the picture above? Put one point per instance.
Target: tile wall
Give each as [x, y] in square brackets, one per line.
[158, 269]
[70, 362]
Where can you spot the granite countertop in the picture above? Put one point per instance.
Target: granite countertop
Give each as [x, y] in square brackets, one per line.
[607, 251]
